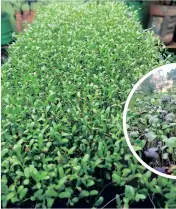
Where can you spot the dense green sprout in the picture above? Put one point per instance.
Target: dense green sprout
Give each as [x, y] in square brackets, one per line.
[152, 129]
[64, 88]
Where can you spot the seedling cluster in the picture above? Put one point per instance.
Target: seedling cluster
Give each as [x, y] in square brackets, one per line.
[64, 88]
[152, 130]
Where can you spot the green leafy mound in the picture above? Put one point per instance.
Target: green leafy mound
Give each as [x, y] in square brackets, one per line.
[152, 129]
[64, 87]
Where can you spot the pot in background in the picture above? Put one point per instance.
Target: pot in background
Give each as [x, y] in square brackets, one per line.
[163, 21]
[22, 17]
[6, 29]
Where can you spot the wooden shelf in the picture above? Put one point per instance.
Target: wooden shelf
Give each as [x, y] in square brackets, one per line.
[172, 45]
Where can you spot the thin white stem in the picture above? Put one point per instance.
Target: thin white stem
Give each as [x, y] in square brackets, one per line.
[111, 201]
[152, 202]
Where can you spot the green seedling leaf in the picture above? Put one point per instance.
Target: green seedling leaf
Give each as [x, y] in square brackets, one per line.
[14, 199]
[171, 142]
[10, 195]
[27, 172]
[38, 193]
[75, 199]
[71, 151]
[64, 195]
[20, 188]
[85, 158]
[84, 193]
[151, 136]
[140, 197]
[99, 201]
[51, 193]
[118, 201]
[90, 183]
[50, 202]
[129, 192]
[93, 192]
[4, 152]
[61, 171]
[26, 182]
[23, 193]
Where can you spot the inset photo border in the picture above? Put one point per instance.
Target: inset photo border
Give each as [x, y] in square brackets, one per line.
[164, 68]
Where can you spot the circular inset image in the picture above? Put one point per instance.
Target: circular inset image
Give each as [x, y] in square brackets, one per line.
[149, 121]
